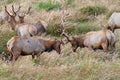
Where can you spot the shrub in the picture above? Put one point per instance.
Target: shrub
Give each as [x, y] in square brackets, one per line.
[9, 1]
[53, 28]
[68, 2]
[93, 10]
[48, 5]
[80, 28]
[77, 17]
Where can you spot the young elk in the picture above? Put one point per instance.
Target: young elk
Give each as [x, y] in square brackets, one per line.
[23, 29]
[31, 46]
[92, 40]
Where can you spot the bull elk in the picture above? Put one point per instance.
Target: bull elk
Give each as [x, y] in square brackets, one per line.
[114, 21]
[24, 29]
[93, 39]
[3, 17]
[34, 46]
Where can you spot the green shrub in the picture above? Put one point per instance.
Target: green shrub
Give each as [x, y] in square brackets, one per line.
[93, 10]
[9, 1]
[80, 28]
[53, 28]
[68, 2]
[79, 18]
[48, 5]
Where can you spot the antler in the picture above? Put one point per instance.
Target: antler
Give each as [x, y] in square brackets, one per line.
[7, 10]
[15, 12]
[62, 28]
[28, 11]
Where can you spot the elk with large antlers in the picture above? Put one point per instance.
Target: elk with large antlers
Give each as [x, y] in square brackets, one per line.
[24, 29]
[34, 46]
[41, 26]
[93, 39]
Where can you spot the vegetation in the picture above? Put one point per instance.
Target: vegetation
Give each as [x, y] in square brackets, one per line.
[48, 5]
[81, 65]
[93, 10]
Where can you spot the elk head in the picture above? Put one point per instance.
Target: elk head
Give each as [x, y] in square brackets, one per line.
[11, 20]
[72, 40]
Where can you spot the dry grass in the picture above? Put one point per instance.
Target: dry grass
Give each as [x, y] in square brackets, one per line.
[80, 65]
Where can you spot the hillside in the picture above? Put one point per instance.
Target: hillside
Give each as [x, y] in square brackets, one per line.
[85, 16]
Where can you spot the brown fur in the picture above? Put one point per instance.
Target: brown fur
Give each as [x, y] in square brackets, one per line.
[22, 28]
[93, 40]
[31, 46]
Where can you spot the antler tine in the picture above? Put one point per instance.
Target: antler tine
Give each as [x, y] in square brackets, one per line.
[13, 10]
[18, 9]
[6, 10]
[29, 10]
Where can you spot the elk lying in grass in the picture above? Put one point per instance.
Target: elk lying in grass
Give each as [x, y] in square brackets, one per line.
[24, 29]
[114, 21]
[92, 40]
[31, 46]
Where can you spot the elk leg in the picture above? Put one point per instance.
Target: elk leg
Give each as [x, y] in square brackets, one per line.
[90, 48]
[38, 54]
[11, 57]
[15, 56]
[105, 47]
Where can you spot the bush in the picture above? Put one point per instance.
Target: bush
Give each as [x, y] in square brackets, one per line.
[80, 28]
[68, 2]
[48, 5]
[9, 1]
[93, 10]
[53, 28]
[77, 17]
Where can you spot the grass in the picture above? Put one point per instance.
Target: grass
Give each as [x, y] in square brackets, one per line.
[48, 5]
[80, 65]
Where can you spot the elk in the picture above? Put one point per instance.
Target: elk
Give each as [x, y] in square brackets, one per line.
[3, 17]
[93, 39]
[23, 29]
[41, 26]
[114, 21]
[34, 46]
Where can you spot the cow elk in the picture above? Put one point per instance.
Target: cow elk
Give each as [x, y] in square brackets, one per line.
[34, 46]
[114, 21]
[93, 39]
